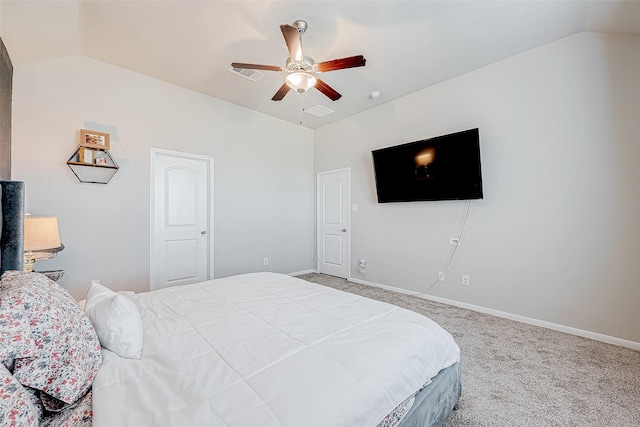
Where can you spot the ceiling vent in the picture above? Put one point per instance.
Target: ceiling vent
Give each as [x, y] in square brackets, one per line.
[252, 75]
[318, 111]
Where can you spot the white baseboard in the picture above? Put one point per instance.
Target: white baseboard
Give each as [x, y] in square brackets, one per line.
[518, 318]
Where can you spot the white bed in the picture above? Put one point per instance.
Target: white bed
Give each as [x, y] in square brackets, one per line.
[271, 350]
[259, 349]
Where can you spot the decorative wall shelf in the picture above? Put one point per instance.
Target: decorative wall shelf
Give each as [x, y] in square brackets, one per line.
[92, 165]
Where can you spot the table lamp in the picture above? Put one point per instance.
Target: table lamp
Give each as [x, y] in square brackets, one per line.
[41, 239]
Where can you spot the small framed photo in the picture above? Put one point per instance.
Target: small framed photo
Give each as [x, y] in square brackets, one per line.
[85, 155]
[101, 161]
[94, 139]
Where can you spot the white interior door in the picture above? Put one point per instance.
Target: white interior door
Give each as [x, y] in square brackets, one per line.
[181, 219]
[334, 222]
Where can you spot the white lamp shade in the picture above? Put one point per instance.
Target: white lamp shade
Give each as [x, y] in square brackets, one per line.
[300, 81]
[41, 232]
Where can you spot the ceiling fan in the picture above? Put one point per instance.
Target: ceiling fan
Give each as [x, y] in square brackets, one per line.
[302, 69]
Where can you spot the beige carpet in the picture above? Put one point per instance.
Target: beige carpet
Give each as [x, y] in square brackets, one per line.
[515, 374]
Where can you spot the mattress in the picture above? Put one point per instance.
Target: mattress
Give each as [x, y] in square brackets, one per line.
[270, 350]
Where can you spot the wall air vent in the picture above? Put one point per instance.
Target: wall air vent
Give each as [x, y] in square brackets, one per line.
[252, 75]
[318, 111]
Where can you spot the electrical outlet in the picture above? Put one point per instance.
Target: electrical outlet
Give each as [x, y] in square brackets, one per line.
[454, 240]
[266, 261]
[465, 280]
[363, 265]
[440, 276]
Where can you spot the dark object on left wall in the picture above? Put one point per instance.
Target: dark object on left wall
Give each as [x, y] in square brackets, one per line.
[12, 236]
[6, 84]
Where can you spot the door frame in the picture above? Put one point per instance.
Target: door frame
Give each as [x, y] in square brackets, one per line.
[152, 240]
[347, 216]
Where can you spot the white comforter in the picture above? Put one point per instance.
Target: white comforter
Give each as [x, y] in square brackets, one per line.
[267, 349]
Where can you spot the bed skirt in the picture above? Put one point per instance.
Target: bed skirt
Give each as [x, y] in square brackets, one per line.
[434, 403]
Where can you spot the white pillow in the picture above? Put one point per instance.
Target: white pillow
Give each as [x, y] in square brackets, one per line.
[116, 320]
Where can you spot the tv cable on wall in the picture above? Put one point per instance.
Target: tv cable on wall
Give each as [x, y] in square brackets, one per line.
[453, 253]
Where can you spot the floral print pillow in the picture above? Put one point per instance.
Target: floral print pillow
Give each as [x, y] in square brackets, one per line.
[46, 340]
[15, 407]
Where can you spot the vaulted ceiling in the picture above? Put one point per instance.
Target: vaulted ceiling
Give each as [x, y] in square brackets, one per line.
[409, 45]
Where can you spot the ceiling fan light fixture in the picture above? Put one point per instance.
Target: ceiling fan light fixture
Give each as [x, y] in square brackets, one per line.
[300, 81]
[302, 69]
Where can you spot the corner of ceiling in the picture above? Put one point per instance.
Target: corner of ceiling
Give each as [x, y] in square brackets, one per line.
[34, 31]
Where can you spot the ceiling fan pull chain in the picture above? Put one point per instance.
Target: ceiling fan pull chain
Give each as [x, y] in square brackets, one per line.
[301, 107]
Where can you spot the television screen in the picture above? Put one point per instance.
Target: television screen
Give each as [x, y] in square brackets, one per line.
[442, 168]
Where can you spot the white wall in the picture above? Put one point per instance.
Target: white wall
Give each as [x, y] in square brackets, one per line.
[557, 235]
[263, 171]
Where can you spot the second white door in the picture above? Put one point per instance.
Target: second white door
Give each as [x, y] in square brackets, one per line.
[181, 234]
[334, 222]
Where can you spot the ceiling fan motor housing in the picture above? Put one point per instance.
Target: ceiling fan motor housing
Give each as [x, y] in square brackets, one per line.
[307, 65]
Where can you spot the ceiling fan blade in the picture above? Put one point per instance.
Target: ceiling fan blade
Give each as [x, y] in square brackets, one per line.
[284, 89]
[292, 39]
[339, 64]
[255, 66]
[327, 90]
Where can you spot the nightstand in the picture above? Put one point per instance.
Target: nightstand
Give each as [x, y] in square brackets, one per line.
[54, 275]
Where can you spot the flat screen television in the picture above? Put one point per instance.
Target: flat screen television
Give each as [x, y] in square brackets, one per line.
[442, 168]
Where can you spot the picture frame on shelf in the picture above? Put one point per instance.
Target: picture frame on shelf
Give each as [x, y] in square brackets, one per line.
[85, 155]
[94, 139]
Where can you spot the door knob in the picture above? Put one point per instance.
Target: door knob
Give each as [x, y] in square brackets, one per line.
[203, 232]
[344, 230]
